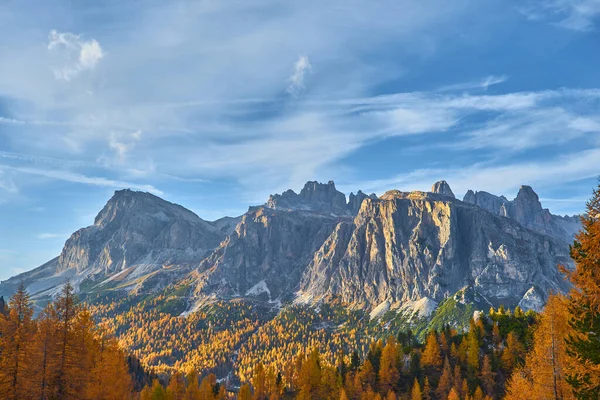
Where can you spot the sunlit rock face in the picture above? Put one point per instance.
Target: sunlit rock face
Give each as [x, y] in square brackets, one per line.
[406, 246]
[442, 187]
[397, 249]
[274, 243]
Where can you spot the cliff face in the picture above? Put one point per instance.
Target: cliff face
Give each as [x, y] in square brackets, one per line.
[401, 248]
[139, 229]
[406, 246]
[271, 247]
[527, 210]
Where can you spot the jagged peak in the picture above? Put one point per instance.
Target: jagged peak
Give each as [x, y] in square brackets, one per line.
[442, 187]
[314, 196]
[528, 196]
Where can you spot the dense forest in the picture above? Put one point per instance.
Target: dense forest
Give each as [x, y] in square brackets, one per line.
[63, 354]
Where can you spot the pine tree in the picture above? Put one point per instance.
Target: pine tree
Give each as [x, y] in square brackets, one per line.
[416, 391]
[16, 332]
[583, 344]
[431, 354]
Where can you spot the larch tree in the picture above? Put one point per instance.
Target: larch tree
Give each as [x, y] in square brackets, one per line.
[16, 332]
[176, 388]
[65, 370]
[416, 393]
[583, 344]
[547, 360]
[388, 369]
[513, 353]
[426, 389]
[245, 393]
[259, 382]
[445, 382]
[43, 350]
[453, 395]
[431, 355]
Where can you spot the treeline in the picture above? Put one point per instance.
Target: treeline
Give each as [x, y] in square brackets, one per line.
[60, 354]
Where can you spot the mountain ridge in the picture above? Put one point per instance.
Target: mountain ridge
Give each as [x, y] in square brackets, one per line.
[294, 245]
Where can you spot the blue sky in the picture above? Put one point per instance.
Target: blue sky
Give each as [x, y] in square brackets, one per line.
[217, 104]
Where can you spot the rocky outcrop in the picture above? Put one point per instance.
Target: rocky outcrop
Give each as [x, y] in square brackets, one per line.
[407, 246]
[314, 196]
[270, 248]
[442, 187]
[527, 210]
[487, 201]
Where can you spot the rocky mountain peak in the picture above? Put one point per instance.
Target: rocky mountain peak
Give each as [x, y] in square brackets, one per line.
[442, 187]
[128, 204]
[314, 196]
[527, 210]
[528, 200]
[326, 193]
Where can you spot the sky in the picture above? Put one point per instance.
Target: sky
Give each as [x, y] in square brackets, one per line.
[215, 104]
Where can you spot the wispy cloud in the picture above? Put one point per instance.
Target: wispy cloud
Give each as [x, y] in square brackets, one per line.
[74, 54]
[75, 177]
[496, 178]
[301, 68]
[577, 15]
[483, 84]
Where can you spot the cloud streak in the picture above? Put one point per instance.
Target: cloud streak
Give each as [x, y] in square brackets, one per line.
[74, 177]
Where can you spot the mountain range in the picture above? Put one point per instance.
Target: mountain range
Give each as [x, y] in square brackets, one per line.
[398, 250]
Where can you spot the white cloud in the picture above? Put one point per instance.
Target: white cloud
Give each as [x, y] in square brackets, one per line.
[301, 68]
[122, 144]
[74, 54]
[484, 83]
[577, 15]
[75, 177]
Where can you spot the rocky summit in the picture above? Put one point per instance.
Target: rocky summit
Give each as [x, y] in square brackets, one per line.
[396, 250]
